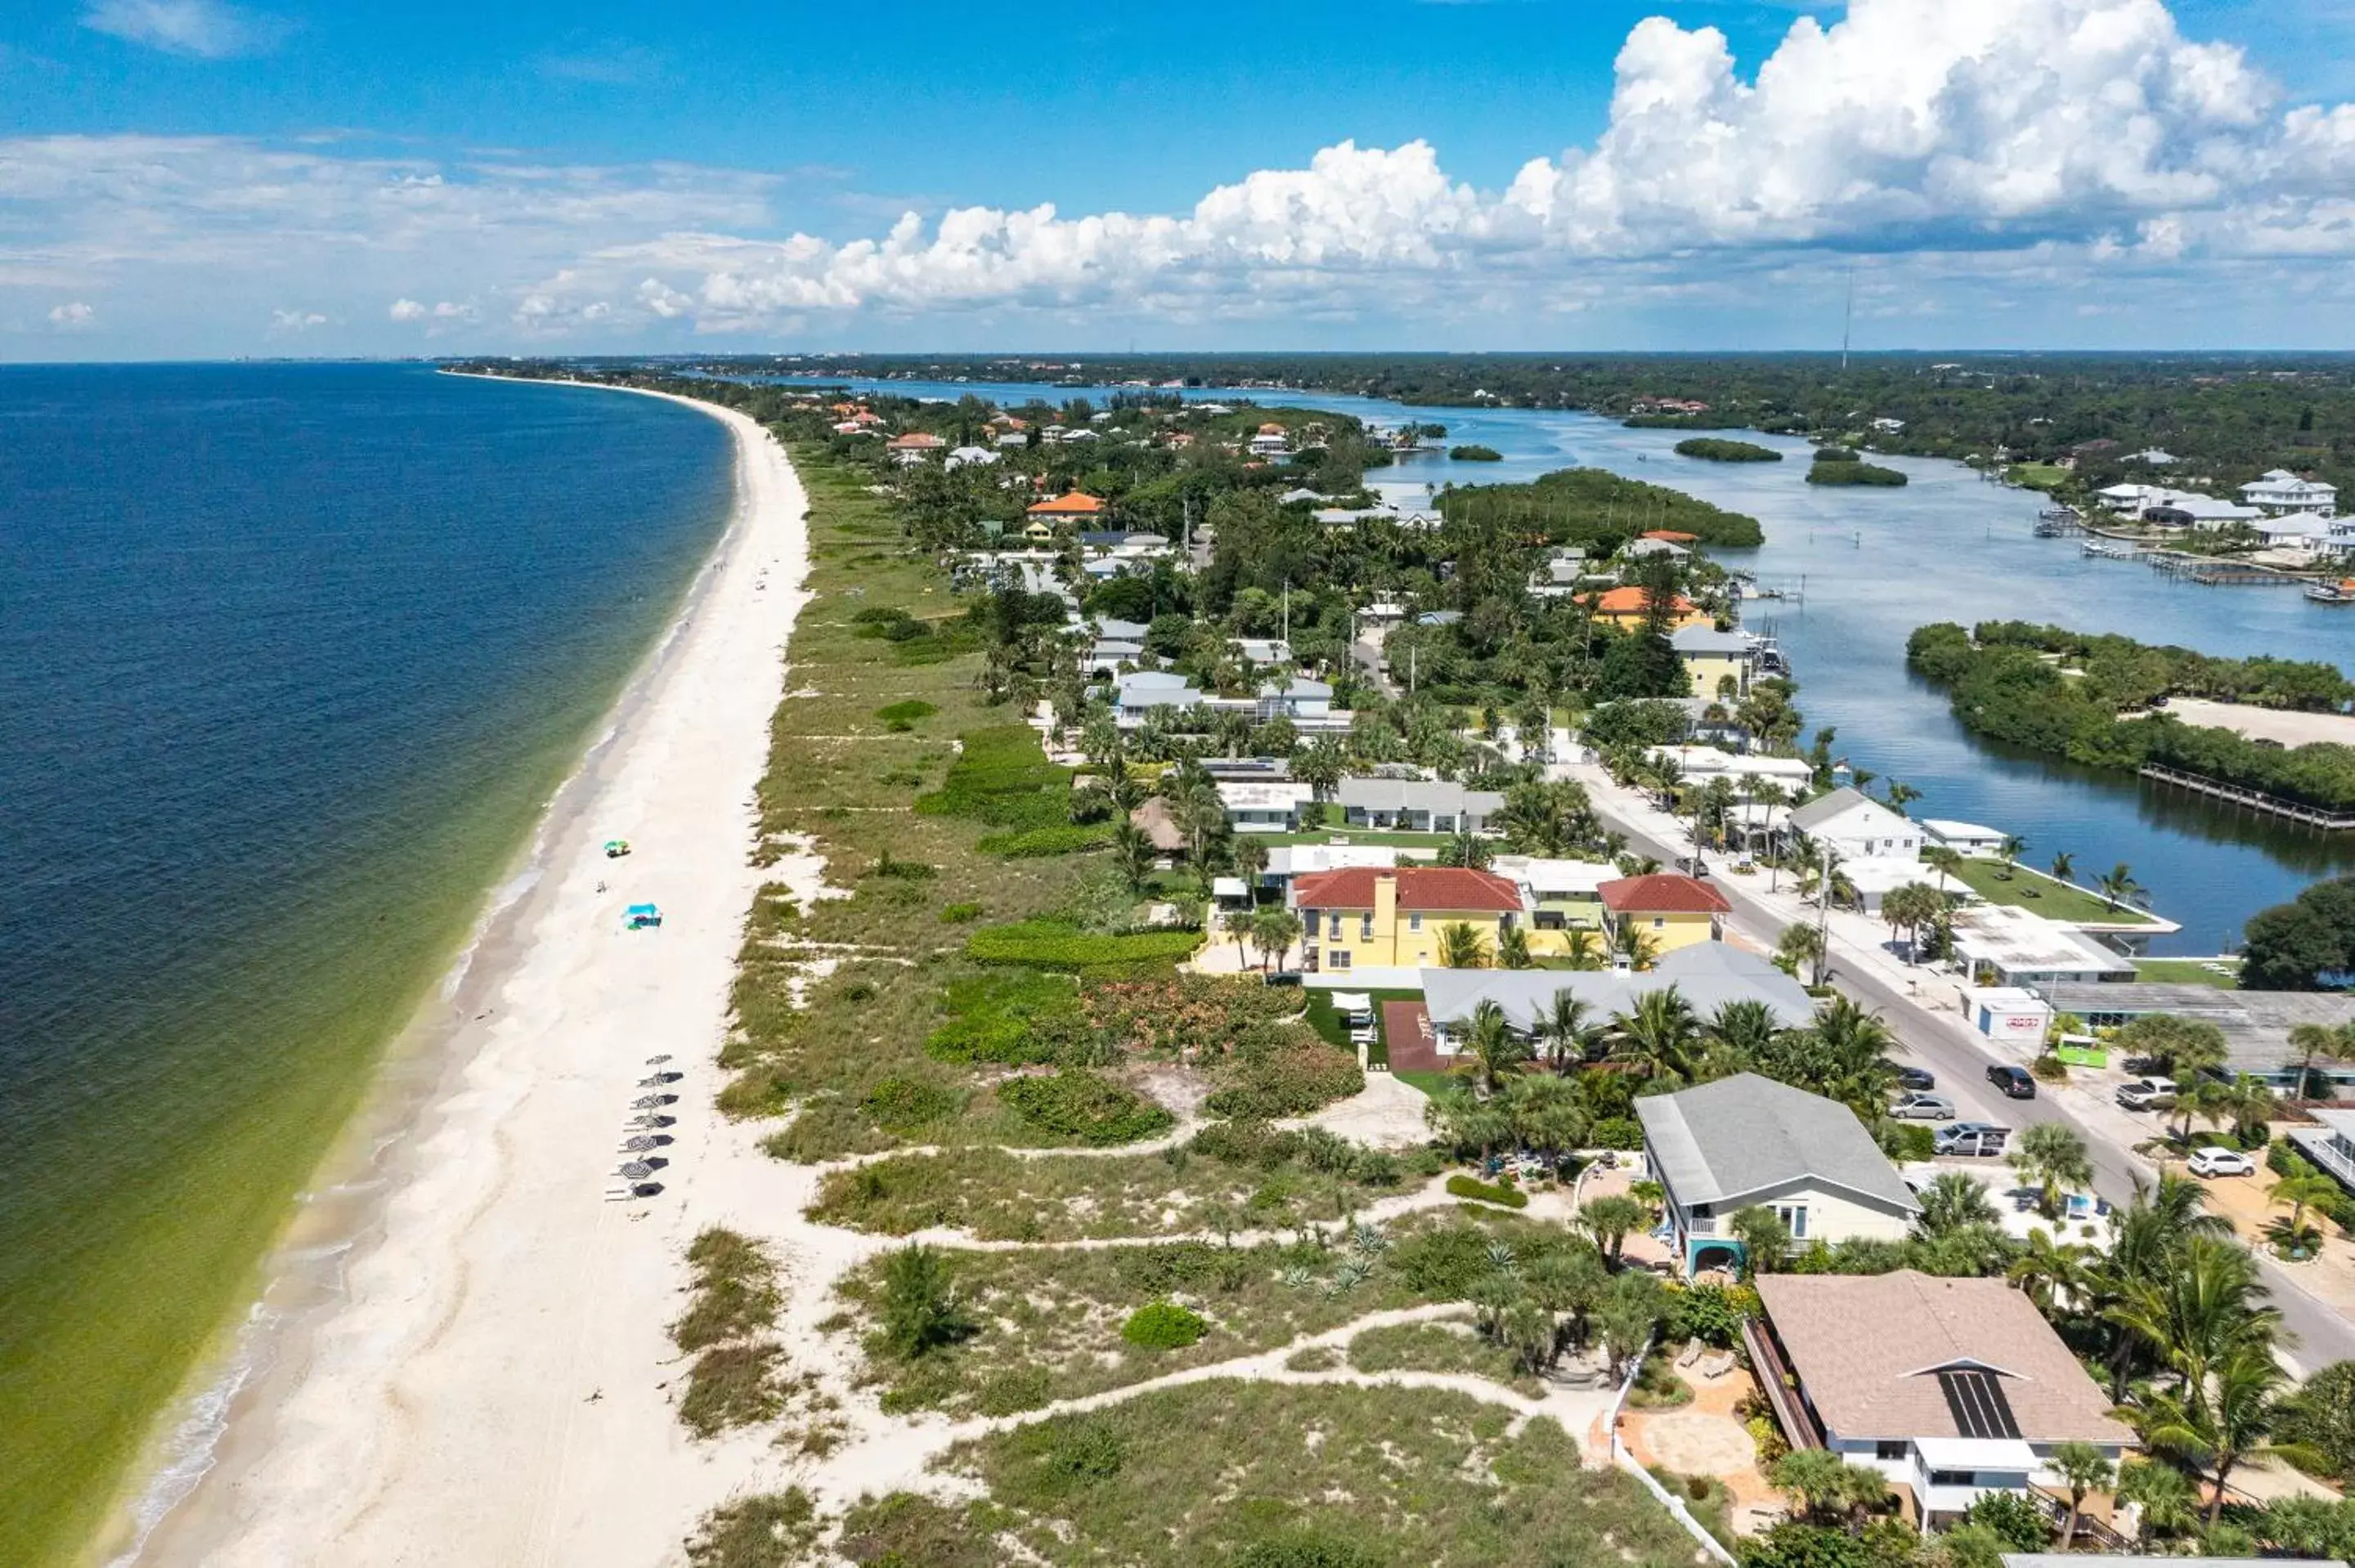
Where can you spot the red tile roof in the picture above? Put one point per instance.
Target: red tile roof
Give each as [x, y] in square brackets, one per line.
[1078, 503]
[1418, 887]
[1635, 601]
[1662, 893]
[1670, 535]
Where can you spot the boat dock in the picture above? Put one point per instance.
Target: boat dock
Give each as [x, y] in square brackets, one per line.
[2109, 552]
[2214, 573]
[2256, 800]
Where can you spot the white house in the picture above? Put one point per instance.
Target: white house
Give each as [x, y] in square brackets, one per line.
[967, 456]
[2154, 457]
[1858, 827]
[2280, 492]
[1139, 693]
[1702, 763]
[1416, 805]
[1966, 838]
[1262, 650]
[1263, 807]
[2021, 947]
[1748, 1142]
[1950, 1388]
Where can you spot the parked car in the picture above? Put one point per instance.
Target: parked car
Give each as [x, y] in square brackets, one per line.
[1923, 1108]
[1971, 1139]
[2012, 1080]
[2211, 1160]
[1918, 1079]
[2148, 1094]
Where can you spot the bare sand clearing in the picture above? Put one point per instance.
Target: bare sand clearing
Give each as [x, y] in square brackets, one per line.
[2264, 724]
[490, 1387]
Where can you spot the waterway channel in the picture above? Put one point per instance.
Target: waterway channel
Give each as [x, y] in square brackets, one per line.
[1864, 567]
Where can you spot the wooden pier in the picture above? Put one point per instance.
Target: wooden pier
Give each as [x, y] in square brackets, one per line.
[2256, 800]
[2214, 573]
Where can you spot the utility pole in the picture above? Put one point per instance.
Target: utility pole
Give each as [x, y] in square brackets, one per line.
[1823, 918]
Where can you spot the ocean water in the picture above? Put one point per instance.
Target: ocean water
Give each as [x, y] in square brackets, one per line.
[1875, 564]
[290, 657]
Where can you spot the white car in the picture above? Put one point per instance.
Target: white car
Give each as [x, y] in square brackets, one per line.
[1923, 1108]
[2214, 1161]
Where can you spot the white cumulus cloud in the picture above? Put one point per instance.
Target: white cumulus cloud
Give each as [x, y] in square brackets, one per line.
[72, 315]
[284, 321]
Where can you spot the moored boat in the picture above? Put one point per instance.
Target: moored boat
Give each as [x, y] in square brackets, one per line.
[2340, 592]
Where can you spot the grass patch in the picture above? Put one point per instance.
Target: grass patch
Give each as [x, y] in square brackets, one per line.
[1004, 1016]
[1440, 1348]
[733, 1386]
[1232, 1183]
[1066, 949]
[769, 1532]
[1002, 778]
[1069, 839]
[1078, 1107]
[1488, 1193]
[2037, 475]
[1214, 1473]
[900, 718]
[904, 1530]
[2187, 971]
[735, 1291]
[2028, 889]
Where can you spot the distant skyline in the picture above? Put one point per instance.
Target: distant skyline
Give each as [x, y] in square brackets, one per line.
[193, 178]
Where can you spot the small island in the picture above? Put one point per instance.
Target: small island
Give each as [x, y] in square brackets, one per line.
[1838, 465]
[1475, 453]
[1715, 449]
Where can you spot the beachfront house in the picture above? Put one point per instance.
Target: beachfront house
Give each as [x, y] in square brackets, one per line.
[1672, 910]
[1706, 978]
[1287, 864]
[1416, 805]
[1950, 1388]
[1367, 918]
[1699, 764]
[1717, 663]
[1972, 839]
[1255, 806]
[2279, 492]
[1858, 827]
[1748, 1142]
[1560, 895]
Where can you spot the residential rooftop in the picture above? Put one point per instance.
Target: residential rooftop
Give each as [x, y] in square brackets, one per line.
[1744, 1136]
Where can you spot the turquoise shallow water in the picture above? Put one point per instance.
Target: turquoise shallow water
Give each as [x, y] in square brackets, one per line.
[289, 657]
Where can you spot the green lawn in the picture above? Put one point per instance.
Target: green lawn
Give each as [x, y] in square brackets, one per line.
[1432, 1084]
[2184, 971]
[2037, 475]
[2035, 891]
[1328, 1022]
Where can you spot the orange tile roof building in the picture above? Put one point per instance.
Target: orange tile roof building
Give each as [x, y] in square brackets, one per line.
[1382, 917]
[1625, 607]
[1078, 503]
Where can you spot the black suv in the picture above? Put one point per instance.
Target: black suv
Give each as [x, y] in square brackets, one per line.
[1921, 1080]
[2013, 1081]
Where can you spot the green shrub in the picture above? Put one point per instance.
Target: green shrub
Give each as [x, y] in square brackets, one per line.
[1034, 843]
[900, 718]
[960, 913]
[1291, 1078]
[1618, 1132]
[1014, 1018]
[769, 1532]
[732, 1386]
[1487, 1192]
[903, 1104]
[1048, 945]
[1474, 452]
[1002, 779]
[1085, 1108]
[1307, 1548]
[1714, 450]
[1163, 1326]
[1908, 1142]
[1710, 1313]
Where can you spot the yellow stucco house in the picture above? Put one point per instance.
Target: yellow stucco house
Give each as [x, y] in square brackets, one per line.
[1674, 911]
[1719, 662]
[1625, 608]
[1382, 917]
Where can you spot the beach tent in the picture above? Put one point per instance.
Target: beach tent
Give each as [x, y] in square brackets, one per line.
[616, 848]
[641, 916]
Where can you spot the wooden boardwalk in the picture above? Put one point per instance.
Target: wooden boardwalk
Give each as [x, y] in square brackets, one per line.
[2256, 800]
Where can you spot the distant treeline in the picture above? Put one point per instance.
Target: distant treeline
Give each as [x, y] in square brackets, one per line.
[1712, 448]
[2087, 698]
[1591, 506]
[2227, 416]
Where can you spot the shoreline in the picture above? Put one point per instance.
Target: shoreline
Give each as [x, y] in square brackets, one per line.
[397, 1334]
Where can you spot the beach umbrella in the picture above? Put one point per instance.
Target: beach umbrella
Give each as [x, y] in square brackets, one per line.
[657, 1060]
[641, 1143]
[647, 1102]
[637, 1171]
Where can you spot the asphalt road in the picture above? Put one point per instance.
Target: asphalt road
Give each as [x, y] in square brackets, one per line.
[1939, 1042]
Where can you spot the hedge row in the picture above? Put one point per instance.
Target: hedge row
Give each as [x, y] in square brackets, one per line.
[1487, 1192]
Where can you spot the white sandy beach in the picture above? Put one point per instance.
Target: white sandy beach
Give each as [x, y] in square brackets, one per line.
[490, 1389]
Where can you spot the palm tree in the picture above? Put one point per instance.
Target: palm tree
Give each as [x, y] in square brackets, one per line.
[1321, 765]
[1274, 930]
[2168, 1505]
[1464, 1120]
[1801, 944]
[1739, 1033]
[1513, 949]
[1658, 1036]
[2051, 1157]
[1764, 1236]
[1132, 852]
[2301, 1189]
[1946, 860]
[1951, 1200]
[2205, 1308]
[1637, 946]
[2313, 1043]
[1581, 948]
[1494, 1046]
[1567, 1031]
[1610, 1220]
[2224, 1424]
[1461, 947]
[2047, 1272]
[2117, 886]
[2012, 849]
[1545, 1114]
[2064, 866]
[1900, 796]
[2082, 1468]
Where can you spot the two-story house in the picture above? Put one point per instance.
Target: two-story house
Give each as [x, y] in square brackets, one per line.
[1748, 1140]
[1859, 827]
[1717, 663]
[1374, 917]
[1675, 911]
[1950, 1388]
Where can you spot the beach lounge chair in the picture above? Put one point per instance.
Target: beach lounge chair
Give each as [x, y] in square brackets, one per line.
[1715, 1365]
[1691, 1353]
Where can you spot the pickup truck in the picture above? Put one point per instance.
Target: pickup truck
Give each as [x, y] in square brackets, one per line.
[2148, 1094]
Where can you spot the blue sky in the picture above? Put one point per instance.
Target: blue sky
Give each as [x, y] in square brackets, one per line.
[193, 178]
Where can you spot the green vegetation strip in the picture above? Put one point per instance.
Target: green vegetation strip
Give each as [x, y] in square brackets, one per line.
[1713, 448]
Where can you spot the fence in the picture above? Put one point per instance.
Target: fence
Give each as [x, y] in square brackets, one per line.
[1660, 1494]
